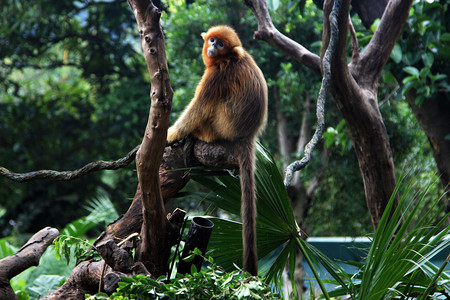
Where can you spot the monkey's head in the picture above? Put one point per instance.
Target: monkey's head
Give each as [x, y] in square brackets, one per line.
[221, 43]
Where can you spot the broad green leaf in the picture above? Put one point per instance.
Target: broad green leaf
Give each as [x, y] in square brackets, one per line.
[412, 71]
[396, 54]
[273, 4]
[428, 59]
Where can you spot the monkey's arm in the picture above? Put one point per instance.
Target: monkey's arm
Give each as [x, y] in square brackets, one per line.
[189, 120]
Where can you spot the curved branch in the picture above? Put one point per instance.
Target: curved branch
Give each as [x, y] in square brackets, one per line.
[267, 32]
[71, 175]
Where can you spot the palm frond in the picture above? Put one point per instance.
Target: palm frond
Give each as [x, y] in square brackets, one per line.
[400, 248]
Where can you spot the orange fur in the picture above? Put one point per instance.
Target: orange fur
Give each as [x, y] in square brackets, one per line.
[230, 103]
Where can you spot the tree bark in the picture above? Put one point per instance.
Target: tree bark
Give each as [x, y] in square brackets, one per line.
[27, 256]
[180, 156]
[355, 88]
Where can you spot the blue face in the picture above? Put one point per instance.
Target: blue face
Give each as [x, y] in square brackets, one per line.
[214, 45]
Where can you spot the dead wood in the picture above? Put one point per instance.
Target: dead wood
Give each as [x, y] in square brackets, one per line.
[27, 256]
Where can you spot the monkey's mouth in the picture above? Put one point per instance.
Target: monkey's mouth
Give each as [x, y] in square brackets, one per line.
[211, 51]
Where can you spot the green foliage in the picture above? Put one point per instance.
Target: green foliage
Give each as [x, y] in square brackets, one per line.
[67, 69]
[403, 244]
[44, 284]
[101, 212]
[424, 83]
[52, 271]
[38, 281]
[211, 282]
[275, 221]
[338, 137]
[421, 55]
[70, 243]
[6, 249]
[68, 247]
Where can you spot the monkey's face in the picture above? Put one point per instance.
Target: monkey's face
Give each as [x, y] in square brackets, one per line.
[215, 46]
[221, 43]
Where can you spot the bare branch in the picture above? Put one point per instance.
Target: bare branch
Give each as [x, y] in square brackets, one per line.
[71, 175]
[267, 32]
[300, 164]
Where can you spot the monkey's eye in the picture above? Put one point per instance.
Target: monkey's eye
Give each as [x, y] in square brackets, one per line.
[211, 41]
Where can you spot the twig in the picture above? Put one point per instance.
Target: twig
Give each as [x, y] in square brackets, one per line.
[71, 175]
[300, 164]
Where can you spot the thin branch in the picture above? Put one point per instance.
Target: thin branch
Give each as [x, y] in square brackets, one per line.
[300, 164]
[71, 175]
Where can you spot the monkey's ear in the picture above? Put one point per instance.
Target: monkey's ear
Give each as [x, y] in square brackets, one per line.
[239, 51]
[203, 35]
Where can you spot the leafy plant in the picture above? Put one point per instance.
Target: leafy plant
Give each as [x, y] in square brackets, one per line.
[425, 82]
[37, 282]
[101, 211]
[71, 244]
[211, 282]
[338, 136]
[422, 52]
[73, 247]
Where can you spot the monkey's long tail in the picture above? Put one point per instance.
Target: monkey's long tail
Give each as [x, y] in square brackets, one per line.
[246, 155]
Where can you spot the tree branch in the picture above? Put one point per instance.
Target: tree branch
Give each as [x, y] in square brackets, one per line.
[71, 175]
[27, 256]
[383, 40]
[267, 32]
[355, 45]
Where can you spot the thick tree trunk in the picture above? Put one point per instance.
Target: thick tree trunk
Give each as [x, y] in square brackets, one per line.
[183, 155]
[354, 88]
[434, 118]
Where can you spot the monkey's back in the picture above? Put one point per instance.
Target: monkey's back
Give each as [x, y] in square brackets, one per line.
[235, 97]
